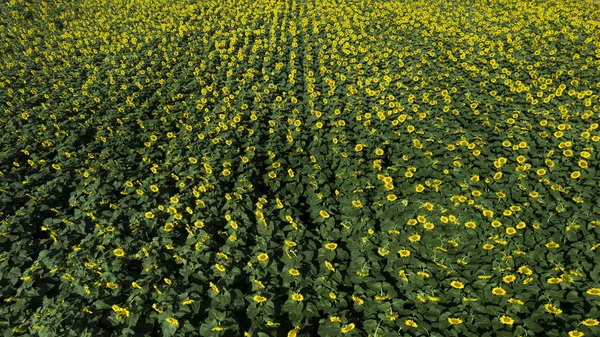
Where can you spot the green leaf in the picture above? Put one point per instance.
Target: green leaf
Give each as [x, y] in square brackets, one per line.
[532, 325]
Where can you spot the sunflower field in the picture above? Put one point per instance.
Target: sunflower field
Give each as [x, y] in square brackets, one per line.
[299, 168]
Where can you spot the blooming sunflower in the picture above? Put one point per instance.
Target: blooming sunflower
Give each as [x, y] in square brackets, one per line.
[347, 328]
[593, 291]
[552, 309]
[590, 322]
[297, 297]
[414, 238]
[293, 332]
[172, 321]
[506, 320]
[554, 280]
[411, 323]
[404, 252]
[259, 299]
[263, 257]
[509, 278]
[498, 291]
[454, 321]
[457, 284]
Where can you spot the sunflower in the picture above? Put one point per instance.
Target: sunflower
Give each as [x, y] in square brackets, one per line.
[404, 252]
[263, 257]
[554, 280]
[454, 321]
[259, 299]
[414, 238]
[347, 328]
[515, 301]
[525, 270]
[112, 285]
[119, 252]
[470, 224]
[172, 321]
[294, 272]
[552, 309]
[593, 291]
[506, 320]
[457, 284]
[411, 323]
[429, 226]
[358, 300]
[590, 322]
[509, 278]
[297, 297]
[293, 332]
[382, 251]
[498, 291]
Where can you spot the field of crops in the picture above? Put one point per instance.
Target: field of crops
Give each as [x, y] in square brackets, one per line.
[299, 168]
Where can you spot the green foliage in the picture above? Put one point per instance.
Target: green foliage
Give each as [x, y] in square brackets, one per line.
[299, 168]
